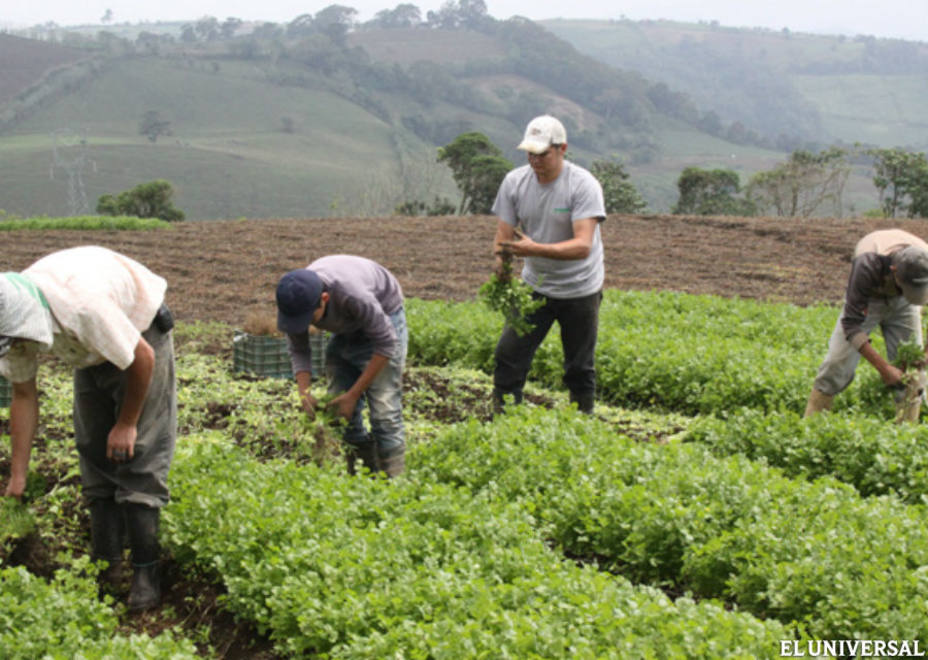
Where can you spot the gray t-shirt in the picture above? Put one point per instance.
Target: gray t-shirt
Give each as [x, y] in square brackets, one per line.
[546, 213]
[362, 296]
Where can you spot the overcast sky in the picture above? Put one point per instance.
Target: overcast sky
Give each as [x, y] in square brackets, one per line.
[906, 19]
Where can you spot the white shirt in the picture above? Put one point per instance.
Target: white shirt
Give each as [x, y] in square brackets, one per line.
[101, 302]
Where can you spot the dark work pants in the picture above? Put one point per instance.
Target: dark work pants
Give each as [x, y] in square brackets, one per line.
[98, 395]
[578, 319]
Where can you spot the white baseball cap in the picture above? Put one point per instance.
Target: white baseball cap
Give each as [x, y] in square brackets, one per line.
[541, 133]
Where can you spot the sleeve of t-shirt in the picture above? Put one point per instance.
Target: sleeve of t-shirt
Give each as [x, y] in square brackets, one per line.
[865, 277]
[504, 205]
[21, 363]
[301, 352]
[588, 201]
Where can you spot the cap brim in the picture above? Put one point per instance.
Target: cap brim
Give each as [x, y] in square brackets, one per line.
[533, 147]
[915, 294]
[294, 325]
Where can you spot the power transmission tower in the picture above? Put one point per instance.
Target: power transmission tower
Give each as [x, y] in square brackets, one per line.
[69, 151]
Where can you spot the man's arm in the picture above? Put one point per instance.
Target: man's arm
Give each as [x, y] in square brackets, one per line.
[577, 247]
[891, 375]
[344, 404]
[120, 444]
[304, 381]
[24, 419]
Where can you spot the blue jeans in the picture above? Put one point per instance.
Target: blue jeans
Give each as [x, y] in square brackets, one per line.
[345, 358]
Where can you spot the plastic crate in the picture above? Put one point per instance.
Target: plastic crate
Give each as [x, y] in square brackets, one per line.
[260, 355]
[6, 392]
[266, 356]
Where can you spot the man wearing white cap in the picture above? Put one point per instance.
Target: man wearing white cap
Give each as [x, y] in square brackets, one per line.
[104, 314]
[887, 287]
[549, 213]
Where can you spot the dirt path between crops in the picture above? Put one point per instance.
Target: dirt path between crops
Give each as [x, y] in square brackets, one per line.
[221, 270]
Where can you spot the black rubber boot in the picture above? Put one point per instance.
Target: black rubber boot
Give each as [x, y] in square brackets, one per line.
[142, 522]
[394, 462]
[107, 538]
[500, 399]
[367, 452]
[584, 401]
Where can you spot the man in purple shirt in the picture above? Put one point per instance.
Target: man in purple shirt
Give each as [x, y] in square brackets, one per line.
[887, 287]
[361, 304]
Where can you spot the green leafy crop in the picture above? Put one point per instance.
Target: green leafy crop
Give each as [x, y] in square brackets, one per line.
[510, 297]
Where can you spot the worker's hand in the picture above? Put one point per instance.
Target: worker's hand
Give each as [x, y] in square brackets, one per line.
[520, 246]
[120, 445]
[892, 376]
[503, 268]
[310, 405]
[343, 405]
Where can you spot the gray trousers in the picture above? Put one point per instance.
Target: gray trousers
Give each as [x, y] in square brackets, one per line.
[98, 395]
[898, 320]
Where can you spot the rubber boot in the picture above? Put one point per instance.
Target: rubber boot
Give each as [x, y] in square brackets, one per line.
[367, 452]
[500, 399]
[142, 523]
[107, 539]
[393, 462]
[584, 401]
[818, 401]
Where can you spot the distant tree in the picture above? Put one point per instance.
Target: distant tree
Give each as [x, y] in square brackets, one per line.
[335, 21]
[300, 26]
[107, 16]
[711, 192]
[146, 200]
[619, 193]
[802, 185]
[402, 16]
[207, 28]
[901, 178]
[229, 27]
[152, 126]
[268, 30]
[150, 43]
[477, 167]
[439, 206]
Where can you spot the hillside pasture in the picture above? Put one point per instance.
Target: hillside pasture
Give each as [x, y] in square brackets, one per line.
[27, 61]
[301, 152]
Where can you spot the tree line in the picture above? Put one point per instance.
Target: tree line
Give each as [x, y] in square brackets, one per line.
[806, 184]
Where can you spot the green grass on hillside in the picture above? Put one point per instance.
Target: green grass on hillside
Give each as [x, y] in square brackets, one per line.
[873, 109]
[229, 156]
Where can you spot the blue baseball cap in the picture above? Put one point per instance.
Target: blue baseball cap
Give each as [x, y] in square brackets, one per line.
[298, 295]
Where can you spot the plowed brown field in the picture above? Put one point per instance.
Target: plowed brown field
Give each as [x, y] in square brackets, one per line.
[222, 270]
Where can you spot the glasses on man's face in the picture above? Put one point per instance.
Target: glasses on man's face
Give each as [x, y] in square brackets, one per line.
[5, 344]
[543, 154]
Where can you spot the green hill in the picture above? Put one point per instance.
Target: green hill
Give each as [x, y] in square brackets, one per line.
[283, 122]
[821, 88]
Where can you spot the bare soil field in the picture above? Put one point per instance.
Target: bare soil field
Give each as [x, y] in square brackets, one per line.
[224, 270]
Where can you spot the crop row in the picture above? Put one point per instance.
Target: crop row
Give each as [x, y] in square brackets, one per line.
[875, 457]
[356, 567]
[62, 618]
[814, 554]
[690, 354]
